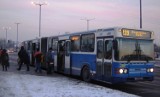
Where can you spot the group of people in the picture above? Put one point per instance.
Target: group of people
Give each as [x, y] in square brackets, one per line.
[4, 59]
[24, 59]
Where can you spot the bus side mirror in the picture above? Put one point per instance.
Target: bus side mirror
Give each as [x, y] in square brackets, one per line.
[115, 44]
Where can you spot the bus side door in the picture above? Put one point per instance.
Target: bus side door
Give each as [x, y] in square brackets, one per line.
[55, 55]
[44, 50]
[99, 61]
[104, 58]
[107, 64]
[67, 57]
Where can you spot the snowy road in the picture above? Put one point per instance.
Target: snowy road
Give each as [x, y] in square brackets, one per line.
[25, 85]
[15, 83]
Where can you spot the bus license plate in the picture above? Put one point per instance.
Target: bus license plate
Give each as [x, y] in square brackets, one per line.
[138, 78]
[51, 63]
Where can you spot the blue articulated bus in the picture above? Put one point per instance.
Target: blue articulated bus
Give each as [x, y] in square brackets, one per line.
[114, 55]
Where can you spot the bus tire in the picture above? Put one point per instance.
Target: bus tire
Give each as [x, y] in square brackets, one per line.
[86, 74]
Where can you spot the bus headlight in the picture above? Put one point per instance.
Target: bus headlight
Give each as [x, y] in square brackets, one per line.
[121, 71]
[150, 70]
[125, 70]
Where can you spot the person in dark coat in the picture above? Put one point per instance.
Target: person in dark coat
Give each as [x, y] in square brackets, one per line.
[4, 60]
[24, 58]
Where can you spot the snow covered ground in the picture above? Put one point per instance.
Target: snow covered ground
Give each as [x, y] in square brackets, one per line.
[13, 84]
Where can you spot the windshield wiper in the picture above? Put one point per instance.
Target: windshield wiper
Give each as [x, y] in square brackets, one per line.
[126, 58]
[146, 57]
[135, 57]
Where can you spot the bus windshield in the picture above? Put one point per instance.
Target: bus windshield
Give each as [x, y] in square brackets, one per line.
[134, 50]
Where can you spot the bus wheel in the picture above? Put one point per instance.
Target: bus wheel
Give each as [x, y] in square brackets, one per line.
[86, 74]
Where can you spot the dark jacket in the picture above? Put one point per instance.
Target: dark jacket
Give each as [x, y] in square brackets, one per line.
[23, 55]
[49, 57]
[4, 58]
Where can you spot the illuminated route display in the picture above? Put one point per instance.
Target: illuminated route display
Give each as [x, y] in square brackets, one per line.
[135, 33]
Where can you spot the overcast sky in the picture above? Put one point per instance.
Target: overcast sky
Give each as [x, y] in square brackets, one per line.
[61, 16]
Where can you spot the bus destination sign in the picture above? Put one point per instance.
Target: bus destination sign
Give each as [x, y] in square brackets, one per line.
[135, 33]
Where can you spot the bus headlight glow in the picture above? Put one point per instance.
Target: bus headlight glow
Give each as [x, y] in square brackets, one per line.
[150, 70]
[125, 70]
[120, 71]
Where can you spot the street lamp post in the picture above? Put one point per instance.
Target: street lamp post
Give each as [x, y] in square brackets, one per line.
[40, 5]
[87, 20]
[6, 28]
[17, 37]
[140, 14]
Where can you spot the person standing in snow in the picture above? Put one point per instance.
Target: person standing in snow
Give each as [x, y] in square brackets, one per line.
[24, 58]
[4, 60]
[38, 57]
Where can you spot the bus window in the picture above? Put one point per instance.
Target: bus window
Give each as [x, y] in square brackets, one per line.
[100, 49]
[116, 51]
[50, 43]
[29, 45]
[75, 43]
[87, 42]
[108, 49]
[37, 45]
[54, 44]
[135, 50]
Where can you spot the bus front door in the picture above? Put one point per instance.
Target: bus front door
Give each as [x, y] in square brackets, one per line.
[61, 56]
[67, 57]
[104, 58]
